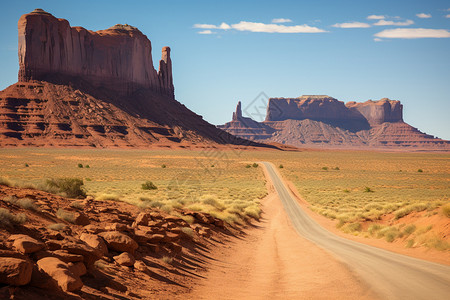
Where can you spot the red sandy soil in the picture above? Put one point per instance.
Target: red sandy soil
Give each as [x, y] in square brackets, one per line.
[273, 261]
[441, 226]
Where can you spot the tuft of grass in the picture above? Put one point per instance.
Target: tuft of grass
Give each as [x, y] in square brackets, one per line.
[77, 204]
[107, 197]
[409, 229]
[374, 228]
[352, 227]
[148, 185]
[368, 190]
[409, 209]
[8, 219]
[69, 187]
[25, 203]
[188, 231]
[409, 243]
[325, 168]
[446, 210]
[57, 226]
[253, 212]
[6, 181]
[189, 219]
[346, 191]
[80, 166]
[212, 200]
[167, 259]
[65, 215]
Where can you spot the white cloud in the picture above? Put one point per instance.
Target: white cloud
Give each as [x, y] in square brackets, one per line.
[413, 33]
[261, 27]
[423, 16]
[375, 17]
[447, 16]
[206, 32]
[351, 25]
[281, 20]
[274, 28]
[386, 23]
[377, 39]
[224, 26]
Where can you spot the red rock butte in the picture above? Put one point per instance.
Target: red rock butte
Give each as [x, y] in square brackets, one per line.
[80, 88]
[118, 58]
[325, 122]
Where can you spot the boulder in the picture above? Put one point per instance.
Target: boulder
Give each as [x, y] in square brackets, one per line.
[81, 219]
[140, 266]
[25, 244]
[142, 219]
[60, 273]
[95, 242]
[15, 271]
[118, 241]
[77, 268]
[89, 254]
[125, 259]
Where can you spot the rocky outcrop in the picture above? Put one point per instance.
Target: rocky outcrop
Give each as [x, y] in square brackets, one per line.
[118, 58]
[378, 112]
[322, 121]
[80, 88]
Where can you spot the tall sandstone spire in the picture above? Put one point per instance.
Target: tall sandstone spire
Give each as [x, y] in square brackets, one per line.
[118, 58]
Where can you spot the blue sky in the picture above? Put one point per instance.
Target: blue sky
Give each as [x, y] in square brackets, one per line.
[225, 51]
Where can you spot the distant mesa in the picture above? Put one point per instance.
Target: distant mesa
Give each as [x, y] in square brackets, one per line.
[320, 121]
[80, 88]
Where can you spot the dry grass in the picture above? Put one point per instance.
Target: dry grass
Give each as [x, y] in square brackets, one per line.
[65, 215]
[8, 219]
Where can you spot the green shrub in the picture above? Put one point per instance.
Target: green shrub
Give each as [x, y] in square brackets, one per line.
[69, 187]
[26, 165]
[8, 219]
[65, 215]
[148, 185]
[281, 166]
[325, 168]
[346, 191]
[87, 166]
[368, 190]
[80, 166]
[420, 171]
[337, 169]
[255, 165]
[248, 166]
[163, 166]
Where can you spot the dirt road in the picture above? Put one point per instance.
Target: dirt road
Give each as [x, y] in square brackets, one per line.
[274, 262]
[390, 275]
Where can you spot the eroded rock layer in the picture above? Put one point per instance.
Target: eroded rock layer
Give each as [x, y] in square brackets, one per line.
[322, 121]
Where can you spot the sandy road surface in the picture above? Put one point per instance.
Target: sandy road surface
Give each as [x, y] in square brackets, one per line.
[391, 275]
[274, 262]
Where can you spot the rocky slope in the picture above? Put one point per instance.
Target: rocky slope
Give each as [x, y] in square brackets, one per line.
[53, 247]
[79, 88]
[323, 121]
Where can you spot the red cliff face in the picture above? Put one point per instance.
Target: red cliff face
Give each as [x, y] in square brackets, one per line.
[378, 112]
[118, 58]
